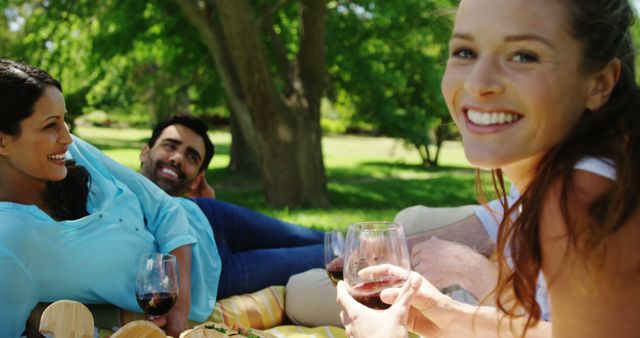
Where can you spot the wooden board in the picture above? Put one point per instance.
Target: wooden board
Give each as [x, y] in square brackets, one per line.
[66, 318]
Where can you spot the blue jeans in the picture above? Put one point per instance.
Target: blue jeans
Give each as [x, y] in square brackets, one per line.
[258, 251]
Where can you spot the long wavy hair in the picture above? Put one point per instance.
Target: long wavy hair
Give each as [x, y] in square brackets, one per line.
[20, 87]
[611, 133]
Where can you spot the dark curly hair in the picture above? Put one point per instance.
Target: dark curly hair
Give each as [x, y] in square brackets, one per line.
[197, 125]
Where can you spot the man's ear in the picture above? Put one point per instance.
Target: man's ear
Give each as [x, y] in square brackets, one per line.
[197, 181]
[144, 153]
[605, 81]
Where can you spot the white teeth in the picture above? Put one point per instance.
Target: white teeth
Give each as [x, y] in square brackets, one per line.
[56, 157]
[169, 172]
[489, 118]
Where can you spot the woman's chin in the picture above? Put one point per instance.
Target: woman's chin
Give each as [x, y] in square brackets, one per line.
[59, 175]
[483, 160]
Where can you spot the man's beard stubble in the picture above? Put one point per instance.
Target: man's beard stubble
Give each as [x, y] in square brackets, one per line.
[173, 188]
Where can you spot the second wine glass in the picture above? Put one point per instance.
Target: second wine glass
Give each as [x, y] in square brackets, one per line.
[157, 283]
[334, 254]
[370, 245]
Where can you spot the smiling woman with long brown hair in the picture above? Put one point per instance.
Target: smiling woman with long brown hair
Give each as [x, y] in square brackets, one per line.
[544, 93]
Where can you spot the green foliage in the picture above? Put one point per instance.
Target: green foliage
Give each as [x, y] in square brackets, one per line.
[390, 61]
[139, 61]
[126, 56]
[635, 31]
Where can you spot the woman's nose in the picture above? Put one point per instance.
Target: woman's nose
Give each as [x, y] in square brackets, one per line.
[65, 135]
[485, 78]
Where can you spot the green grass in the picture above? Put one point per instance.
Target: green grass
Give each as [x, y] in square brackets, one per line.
[369, 178]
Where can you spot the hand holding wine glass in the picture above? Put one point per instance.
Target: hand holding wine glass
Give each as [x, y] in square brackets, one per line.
[369, 245]
[157, 284]
[334, 254]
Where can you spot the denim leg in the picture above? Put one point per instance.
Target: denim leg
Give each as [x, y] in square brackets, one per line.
[244, 229]
[258, 251]
[253, 270]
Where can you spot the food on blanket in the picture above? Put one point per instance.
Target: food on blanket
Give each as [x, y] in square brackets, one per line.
[218, 330]
[139, 328]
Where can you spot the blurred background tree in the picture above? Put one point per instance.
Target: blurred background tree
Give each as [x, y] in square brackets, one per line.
[388, 66]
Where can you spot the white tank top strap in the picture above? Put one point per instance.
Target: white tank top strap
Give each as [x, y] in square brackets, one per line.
[599, 166]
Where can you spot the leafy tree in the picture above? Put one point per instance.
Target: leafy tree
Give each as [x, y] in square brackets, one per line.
[389, 64]
[264, 60]
[135, 54]
[122, 56]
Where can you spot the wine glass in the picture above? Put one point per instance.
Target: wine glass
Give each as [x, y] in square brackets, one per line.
[371, 244]
[334, 254]
[157, 283]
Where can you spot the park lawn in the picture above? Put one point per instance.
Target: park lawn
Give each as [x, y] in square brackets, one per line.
[369, 178]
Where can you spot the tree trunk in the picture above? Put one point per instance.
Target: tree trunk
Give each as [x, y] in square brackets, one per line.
[242, 158]
[284, 132]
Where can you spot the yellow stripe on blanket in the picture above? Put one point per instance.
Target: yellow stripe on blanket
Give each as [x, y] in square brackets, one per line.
[292, 331]
[260, 310]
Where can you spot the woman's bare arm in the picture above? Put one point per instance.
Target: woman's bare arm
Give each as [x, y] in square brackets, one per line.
[468, 231]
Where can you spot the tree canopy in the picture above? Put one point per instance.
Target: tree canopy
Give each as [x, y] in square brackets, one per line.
[268, 64]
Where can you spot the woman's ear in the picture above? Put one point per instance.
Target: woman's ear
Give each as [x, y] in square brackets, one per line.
[605, 81]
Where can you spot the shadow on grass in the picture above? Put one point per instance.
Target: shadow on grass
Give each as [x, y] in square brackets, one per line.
[222, 149]
[386, 169]
[400, 193]
[350, 189]
[414, 167]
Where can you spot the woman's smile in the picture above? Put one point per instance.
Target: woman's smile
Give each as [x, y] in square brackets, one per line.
[512, 86]
[483, 121]
[57, 158]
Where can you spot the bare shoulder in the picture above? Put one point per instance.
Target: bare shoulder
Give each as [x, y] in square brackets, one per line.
[591, 296]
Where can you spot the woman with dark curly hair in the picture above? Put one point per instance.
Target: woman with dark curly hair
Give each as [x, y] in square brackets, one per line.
[75, 228]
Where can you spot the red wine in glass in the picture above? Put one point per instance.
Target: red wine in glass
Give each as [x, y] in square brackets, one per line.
[381, 249]
[368, 293]
[333, 254]
[156, 303]
[334, 269]
[157, 283]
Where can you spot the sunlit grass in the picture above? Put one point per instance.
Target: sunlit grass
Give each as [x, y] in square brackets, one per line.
[369, 178]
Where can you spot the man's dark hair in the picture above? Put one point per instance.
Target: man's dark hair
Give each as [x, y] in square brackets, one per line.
[197, 125]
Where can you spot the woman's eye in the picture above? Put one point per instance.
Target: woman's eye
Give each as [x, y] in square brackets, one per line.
[463, 53]
[51, 126]
[525, 57]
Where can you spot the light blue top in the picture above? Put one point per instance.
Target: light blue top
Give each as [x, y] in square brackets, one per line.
[93, 259]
